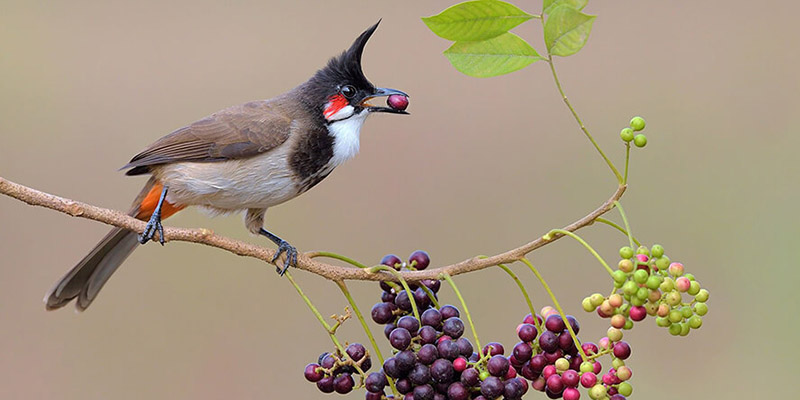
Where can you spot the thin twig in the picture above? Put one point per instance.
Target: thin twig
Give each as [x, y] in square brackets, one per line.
[304, 262]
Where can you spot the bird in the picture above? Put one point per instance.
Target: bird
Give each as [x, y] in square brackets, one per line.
[248, 158]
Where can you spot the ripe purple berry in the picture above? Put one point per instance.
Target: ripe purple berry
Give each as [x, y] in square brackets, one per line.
[498, 366]
[375, 382]
[311, 373]
[391, 260]
[343, 383]
[492, 387]
[622, 350]
[421, 257]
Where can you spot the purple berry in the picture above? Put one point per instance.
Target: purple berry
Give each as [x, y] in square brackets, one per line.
[405, 361]
[496, 348]
[375, 382]
[554, 323]
[522, 352]
[402, 301]
[565, 341]
[400, 338]
[404, 386]
[527, 332]
[431, 317]
[449, 311]
[576, 327]
[391, 260]
[420, 374]
[622, 350]
[356, 351]
[343, 383]
[470, 377]
[513, 389]
[423, 392]
[448, 349]
[421, 257]
[311, 373]
[453, 327]
[325, 385]
[409, 323]
[427, 354]
[428, 334]
[492, 387]
[548, 341]
[442, 371]
[498, 366]
[570, 378]
[464, 347]
[382, 313]
[432, 284]
[457, 391]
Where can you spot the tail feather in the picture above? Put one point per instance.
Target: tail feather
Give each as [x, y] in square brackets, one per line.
[85, 279]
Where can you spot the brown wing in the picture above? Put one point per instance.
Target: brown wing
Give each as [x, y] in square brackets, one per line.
[237, 132]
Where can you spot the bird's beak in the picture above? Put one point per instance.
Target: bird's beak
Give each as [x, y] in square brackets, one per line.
[381, 92]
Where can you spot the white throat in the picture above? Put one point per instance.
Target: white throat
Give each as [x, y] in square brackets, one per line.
[346, 134]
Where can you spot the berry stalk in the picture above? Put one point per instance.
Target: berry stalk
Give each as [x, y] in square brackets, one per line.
[403, 282]
[466, 311]
[548, 236]
[524, 294]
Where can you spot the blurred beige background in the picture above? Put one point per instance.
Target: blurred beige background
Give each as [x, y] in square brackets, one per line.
[480, 166]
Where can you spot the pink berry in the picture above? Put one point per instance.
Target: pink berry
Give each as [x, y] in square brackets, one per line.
[397, 101]
[676, 269]
[642, 258]
[570, 378]
[571, 394]
[460, 364]
[590, 348]
[588, 379]
[638, 313]
[683, 284]
[548, 371]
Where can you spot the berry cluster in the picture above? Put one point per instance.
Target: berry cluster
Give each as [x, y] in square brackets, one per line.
[552, 362]
[334, 372]
[648, 283]
[627, 134]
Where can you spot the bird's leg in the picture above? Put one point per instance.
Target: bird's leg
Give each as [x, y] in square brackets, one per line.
[155, 222]
[283, 247]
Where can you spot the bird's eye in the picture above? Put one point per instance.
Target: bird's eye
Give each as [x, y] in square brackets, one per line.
[348, 91]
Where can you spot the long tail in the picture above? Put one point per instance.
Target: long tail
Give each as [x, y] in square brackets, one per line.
[86, 279]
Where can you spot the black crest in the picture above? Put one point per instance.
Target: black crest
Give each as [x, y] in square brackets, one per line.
[346, 67]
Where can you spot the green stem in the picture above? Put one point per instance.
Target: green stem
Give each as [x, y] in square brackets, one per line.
[466, 311]
[316, 312]
[524, 294]
[578, 119]
[402, 282]
[627, 158]
[430, 294]
[364, 325]
[625, 221]
[558, 306]
[338, 257]
[586, 245]
[619, 228]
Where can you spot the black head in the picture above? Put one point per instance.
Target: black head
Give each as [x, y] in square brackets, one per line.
[341, 90]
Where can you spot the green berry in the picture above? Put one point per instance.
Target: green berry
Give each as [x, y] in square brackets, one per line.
[653, 282]
[625, 389]
[628, 325]
[562, 364]
[626, 135]
[701, 296]
[637, 123]
[625, 265]
[689, 277]
[636, 301]
[619, 276]
[640, 140]
[675, 329]
[630, 288]
[663, 322]
[686, 311]
[625, 252]
[640, 276]
[673, 298]
[695, 322]
[614, 335]
[596, 299]
[667, 285]
[597, 391]
[675, 316]
[643, 250]
[662, 263]
[587, 305]
[587, 366]
[684, 329]
[483, 375]
[643, 293]
[657, 250]
[617, 363]
[617, 285]
[701, 309]
[694, 288]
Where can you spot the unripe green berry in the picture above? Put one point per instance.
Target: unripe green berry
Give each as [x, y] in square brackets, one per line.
[701, 296]
[630, 288]
[653, 282]
[640, 140]
[651, 308]
[626, 134]
[686, 311]
[597, 391]
[689, 277]
[700, 309]
[673, 298]
[694, 288]
[637, 123]
[684, 329]
[662, 263]
[643, 250]
[695, 322]
[619, 276]
[675, 329]
[587, 366]
[596, 299]
[640, 276]
[667, 285]
[587, 305]
[617, 364]
[657, 250]
[562, 364]
[625, 389]
[675, 316]
[628, 325]
[663, 322]
[617, 285]
[625, 252]
[614, 334]
[625, 265]
[643, 293]
[483, 375]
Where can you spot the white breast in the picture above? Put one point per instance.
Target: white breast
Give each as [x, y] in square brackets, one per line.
[346, 134]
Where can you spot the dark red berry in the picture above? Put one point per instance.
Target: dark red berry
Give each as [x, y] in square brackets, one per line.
[496, 348]
[457, 391]
[325, 385]
[554, 323]
[343, 383]
[311, 373]
[570, 378]
[460, 364]
[391, 260]
[548, 341]
[527, 332]
[498, 366]
[622, 350]
[522, 352]
[421, 257]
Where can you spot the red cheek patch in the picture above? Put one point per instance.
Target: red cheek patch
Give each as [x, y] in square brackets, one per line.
[335, 103]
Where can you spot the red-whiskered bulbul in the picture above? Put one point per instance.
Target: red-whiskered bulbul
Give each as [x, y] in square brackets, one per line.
[247, 157]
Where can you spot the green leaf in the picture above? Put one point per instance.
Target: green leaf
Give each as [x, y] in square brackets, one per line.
[496, 56]
[476, 20]
[549, 5]
[566, 30]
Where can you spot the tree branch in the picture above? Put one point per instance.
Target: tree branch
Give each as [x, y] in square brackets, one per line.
[304, 261]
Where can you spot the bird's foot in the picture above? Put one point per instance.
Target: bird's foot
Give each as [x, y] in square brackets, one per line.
[291, 257]
[153, 226]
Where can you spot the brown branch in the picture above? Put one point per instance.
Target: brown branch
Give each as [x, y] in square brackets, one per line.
[305, 261]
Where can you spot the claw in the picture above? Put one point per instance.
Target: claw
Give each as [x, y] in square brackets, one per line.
[291, 257]
[153, 226]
